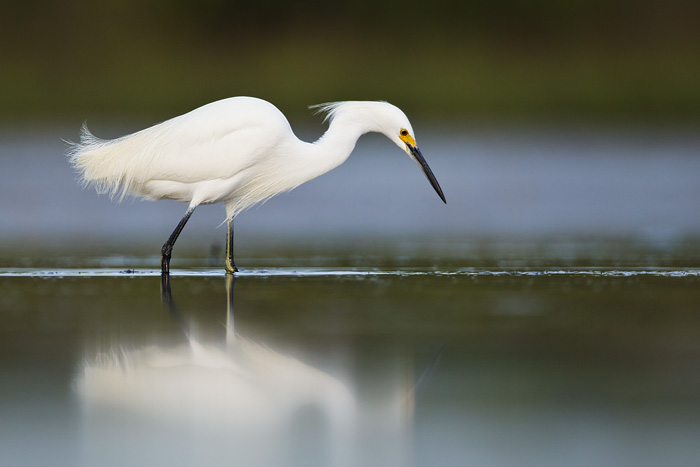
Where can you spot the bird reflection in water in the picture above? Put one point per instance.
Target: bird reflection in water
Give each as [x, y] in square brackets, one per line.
[204, 404]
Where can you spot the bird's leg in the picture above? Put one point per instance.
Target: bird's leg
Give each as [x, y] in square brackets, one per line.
[166, 296]
[230, 329]
[230, 264]
[166, 251]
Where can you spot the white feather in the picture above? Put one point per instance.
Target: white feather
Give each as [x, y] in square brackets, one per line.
[240, 151]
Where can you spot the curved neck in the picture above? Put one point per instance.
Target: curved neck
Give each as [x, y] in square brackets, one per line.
[336, 144]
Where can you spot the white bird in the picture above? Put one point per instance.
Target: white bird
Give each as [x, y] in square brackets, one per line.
[239, 151]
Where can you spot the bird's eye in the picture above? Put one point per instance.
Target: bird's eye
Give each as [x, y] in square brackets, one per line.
[404, 132]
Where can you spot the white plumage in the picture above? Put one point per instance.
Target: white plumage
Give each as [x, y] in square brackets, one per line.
[239, 151]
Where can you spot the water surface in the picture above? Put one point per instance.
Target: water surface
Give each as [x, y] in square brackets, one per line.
[547, 315]
[350, 366]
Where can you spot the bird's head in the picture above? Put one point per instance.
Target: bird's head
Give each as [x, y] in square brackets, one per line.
[394, 125]
[385, 118]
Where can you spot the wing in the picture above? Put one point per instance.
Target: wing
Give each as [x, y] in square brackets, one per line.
[215, 141]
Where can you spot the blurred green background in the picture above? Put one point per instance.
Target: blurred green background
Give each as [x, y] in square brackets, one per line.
[502, 59]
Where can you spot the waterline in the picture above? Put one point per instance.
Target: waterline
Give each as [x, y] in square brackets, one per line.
[353, 272]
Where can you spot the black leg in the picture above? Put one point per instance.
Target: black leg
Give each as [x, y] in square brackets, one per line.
[167, 298]
[166, 251]
[230, 264]
[230, 282]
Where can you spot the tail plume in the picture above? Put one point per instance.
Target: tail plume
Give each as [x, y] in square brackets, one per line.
[98, 164]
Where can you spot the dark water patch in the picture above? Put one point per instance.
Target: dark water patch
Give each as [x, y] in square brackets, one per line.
[379, 366]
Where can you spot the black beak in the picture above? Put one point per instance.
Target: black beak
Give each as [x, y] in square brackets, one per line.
[418, 157]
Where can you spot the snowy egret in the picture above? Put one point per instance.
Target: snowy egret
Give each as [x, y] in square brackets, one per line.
[239, 151]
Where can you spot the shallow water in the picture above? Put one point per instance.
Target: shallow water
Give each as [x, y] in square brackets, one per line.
[350, 366]
[547, 315]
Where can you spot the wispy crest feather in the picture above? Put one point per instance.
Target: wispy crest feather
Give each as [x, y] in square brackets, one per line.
[330, 109]
[361, 110]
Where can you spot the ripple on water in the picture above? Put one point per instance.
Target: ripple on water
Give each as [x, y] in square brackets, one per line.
[349, 272]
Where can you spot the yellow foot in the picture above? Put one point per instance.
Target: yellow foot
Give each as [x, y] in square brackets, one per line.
[230, 267]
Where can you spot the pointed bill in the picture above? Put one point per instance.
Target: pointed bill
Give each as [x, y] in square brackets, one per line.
[418, 157]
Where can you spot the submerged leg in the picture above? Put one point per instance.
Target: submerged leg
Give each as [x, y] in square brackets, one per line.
[230, 264]
[230, 330]
[166, 251]
[166, 296]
